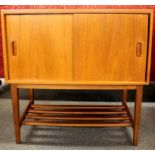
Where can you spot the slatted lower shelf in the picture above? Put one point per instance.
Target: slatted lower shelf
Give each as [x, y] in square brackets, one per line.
[77, 115]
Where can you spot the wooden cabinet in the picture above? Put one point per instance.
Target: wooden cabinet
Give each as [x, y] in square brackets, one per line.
[77, 49]
[74, 48]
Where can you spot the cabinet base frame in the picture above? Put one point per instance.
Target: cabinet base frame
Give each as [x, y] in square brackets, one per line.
[77, 115]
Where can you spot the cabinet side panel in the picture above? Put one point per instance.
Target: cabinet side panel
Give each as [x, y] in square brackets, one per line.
[150, 33]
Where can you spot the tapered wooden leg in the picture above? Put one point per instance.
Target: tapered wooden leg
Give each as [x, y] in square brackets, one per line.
[31, 95]
[16, 113]
[124, 96]
[137, 113]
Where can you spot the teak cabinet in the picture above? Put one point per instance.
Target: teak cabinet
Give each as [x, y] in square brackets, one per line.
[104, 48]
[77, 49]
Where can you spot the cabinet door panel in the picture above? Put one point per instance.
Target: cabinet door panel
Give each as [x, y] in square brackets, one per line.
[105, 47]
[43, 46]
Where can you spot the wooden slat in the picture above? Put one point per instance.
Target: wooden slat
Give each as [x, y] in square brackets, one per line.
[77, 112]
[79, 106]
[79, 109]
[76, 118]
[65, 105]
[77, 115]
[99, 86]
[75, 84]
[41, 123]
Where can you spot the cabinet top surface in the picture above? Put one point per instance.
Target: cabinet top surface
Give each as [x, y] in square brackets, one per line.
[46, 11]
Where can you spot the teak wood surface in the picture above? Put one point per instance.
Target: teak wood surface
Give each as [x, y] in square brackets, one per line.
[77, 49]
[77, 115]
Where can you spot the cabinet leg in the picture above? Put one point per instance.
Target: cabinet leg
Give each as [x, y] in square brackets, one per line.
[124, 96]
[16, 112]
[31, 95]
[137, 113]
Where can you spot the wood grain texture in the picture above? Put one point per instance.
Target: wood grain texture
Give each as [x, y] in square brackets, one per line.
[105, 47]
[43, 47]
[31, 95]
[150, 49]
[77, 49]
[80, 87]
[41, 123]
[137, 114]
[77, 115]
[16, 111]
[73, 82]
[140, 34]
[95, 48]
[44, 117]
[122, 7]
[49, 11]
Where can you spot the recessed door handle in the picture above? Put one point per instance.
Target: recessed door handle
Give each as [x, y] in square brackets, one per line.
[139, 49]
[13, 46]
